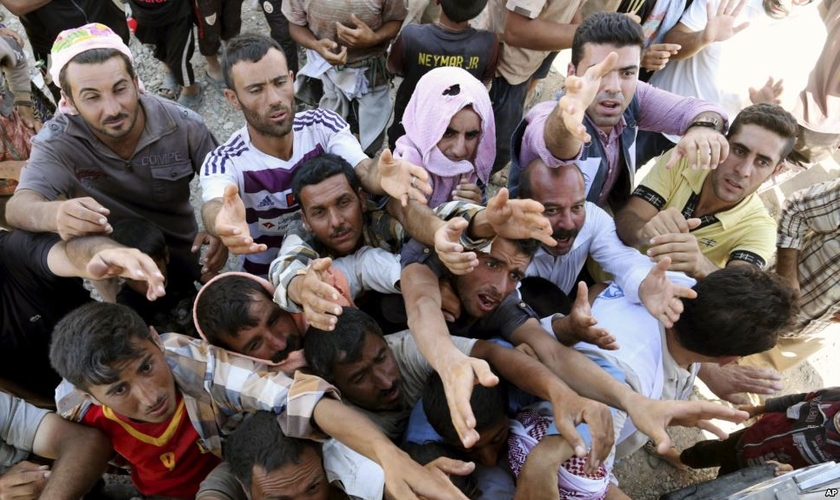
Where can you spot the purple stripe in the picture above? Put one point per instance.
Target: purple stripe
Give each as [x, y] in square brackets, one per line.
[328, 118]
[252, 215]
[219, 156]
[274, 180]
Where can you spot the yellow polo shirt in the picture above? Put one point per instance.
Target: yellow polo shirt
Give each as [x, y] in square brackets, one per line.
[744, 232]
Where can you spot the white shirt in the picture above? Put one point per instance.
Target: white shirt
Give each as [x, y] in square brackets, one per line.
[598, 238]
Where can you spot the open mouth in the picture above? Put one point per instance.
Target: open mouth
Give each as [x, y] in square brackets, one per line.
[486, 302]
[159, 408]
[609, 106]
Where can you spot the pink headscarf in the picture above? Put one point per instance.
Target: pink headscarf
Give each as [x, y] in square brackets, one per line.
[439, 95]
[70, 43]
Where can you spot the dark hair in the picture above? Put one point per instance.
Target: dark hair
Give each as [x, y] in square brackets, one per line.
[739, 310]
[606, 28]
[258, 441]
[524, 188]
[459, 11]
[92, 56]
[249, 47]
[771, 117]
[527, 247]
[324, 349]
[429, 451]
[544, 297]
[320, 168]
[222, 307]
[143, 235]
[90, 341]
[488, 406]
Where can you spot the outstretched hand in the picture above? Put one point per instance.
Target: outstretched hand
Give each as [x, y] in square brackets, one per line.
[458, 377]
[580, 92]
[652, 417]
[661, 296]
[518, 219]
[232, 227]
[579, 325]
[731, 381]
[316, 296]
[720, 24]
[449, 249]
[128, 263]
[402, 180]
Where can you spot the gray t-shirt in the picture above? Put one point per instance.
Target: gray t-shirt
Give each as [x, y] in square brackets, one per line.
[19, 422]
[68, 160]
[415, 371]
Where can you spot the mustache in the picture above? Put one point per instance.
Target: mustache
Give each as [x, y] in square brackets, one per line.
[340, 231]
[115, 118]
[156, 405]
[562, 234]
[293, 343]
[387, 392]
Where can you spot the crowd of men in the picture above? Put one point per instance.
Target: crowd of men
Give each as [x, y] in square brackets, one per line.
[396, 328]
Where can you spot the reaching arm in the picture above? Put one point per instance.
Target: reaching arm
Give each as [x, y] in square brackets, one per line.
[720, 26]
[535, 378]
[98, 257]
[787, 266]
[404, 478]
[458, 372]
[326, 48]
[224, 218]
[29, 210]
[630, 221]
[590, 381]
[538, 34]
[82, 455]
[394, 177]
[564, 129]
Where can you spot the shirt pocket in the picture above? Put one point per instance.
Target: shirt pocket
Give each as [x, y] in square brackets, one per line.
[172, 182]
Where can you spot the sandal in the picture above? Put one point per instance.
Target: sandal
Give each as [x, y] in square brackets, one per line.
[192, 101]
[219, 84]
[169, 88]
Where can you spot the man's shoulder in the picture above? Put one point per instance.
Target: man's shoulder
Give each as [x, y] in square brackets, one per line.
[318, 119]
[181, 115]
[55, 129]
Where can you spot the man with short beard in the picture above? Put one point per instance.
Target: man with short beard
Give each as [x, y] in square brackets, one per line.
[247, 182]
[112, 153]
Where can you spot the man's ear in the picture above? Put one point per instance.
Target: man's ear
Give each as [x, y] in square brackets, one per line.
[304, 220]
[570, 70]
[778, 168]
[232, 99]
[362, 199]
[156, 337]
[92, 398]
[69, 102]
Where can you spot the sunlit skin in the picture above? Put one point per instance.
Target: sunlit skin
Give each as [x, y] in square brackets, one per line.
[264, 92]
[496, 276]
[107, 98]
[334, 214]
[142, 286]
[274, 336]
[563, 194]
[145, 390]
[754, 156]
[460, 140]
[293, 481]
[374, 382]
[617, 87]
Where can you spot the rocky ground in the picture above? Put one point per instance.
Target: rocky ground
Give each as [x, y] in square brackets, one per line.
[641, 475]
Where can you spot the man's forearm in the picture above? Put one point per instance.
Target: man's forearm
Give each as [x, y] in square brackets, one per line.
[417, 219]
[83, 458]
[425, 319]
[528, 374]
[30, 211]
[560, 143]
[691, 43]
[787, 265]
[387, 32]
[353, 429]
[304, 36]
[580, 373]
[209, 211]
[22, 7]
[368, 173]
[537, 34]
[628, 226]
[80, 250]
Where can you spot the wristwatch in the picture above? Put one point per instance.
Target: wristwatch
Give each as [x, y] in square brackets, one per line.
[709, 122]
